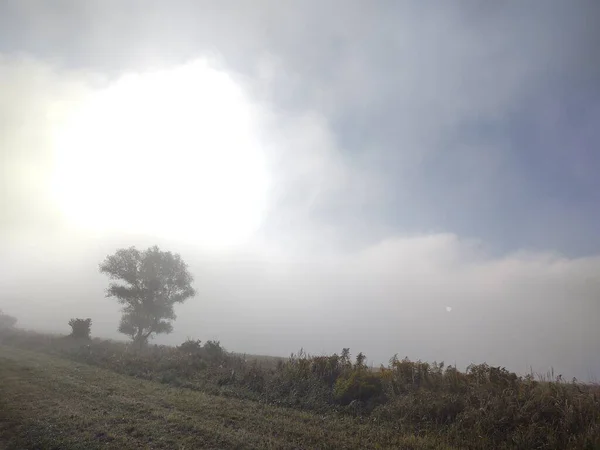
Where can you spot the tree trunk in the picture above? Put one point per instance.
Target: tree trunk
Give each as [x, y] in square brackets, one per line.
[139, 338]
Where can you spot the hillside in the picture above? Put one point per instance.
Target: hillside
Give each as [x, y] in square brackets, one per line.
[48, 402]
[65, 392]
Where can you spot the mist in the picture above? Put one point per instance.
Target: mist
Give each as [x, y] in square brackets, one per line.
[426, 180]
[523, 311]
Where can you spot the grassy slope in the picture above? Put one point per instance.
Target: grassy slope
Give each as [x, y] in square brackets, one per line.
[47, 402]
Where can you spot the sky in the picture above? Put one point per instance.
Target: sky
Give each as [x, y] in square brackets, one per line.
[399, 177]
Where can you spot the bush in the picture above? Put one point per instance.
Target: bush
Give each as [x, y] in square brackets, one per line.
[191, 347]
[358, 385]
[81, 328]
[214, 351]
[6, 321]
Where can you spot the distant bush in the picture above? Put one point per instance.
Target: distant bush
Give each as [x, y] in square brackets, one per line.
[6, 321]
[81, 328]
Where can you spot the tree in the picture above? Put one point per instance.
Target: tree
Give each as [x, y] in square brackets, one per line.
[150, 283]
[81, 328]
[7, 321]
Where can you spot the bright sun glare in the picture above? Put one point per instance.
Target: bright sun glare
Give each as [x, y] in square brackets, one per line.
[172, 153]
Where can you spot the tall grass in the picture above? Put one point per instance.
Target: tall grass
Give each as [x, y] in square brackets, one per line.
[483, 407]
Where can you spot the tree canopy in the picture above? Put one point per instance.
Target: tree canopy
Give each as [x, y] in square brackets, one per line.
[148, 284]
[7, 321]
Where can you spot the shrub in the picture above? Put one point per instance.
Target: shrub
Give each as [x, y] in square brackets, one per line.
[495, 377]
[191, 347]
[81, 328]
[214, 351]
[358, 385]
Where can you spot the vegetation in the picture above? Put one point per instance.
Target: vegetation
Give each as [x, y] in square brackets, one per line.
[7, 321]
[149, 284]
[51, 403]
[81, 328]
[484, 407]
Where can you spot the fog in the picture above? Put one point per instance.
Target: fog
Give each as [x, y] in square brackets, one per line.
[525, 310]
[410, 180]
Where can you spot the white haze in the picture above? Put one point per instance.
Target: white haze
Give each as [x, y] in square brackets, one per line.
[302, 280]
[523, 310]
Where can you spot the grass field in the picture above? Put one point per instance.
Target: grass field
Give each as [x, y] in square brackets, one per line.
[47, 402]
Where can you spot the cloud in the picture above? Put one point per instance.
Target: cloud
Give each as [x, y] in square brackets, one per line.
[462, 112]
[311, 183]
[37, 98]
